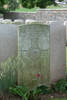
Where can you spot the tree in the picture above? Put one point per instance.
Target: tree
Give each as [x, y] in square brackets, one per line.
[45, 3]
[2, 2]
[12, 5]
[39, 3]
[28, 3]
[61, 0]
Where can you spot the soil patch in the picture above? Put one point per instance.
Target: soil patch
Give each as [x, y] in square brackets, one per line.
[41, 97]
[53, 95]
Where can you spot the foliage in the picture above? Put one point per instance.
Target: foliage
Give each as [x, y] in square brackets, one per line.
[61, 86]
[59, 99]
[61, 0]
[22, 91]
[45, 3]
[26, 94]
[28, 3]
[12, 4]
[35, 93]
[2, 2]
[45, 89]
[8, 73]
[38, 3]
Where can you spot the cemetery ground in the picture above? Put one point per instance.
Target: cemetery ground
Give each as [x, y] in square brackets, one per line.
[60, 99]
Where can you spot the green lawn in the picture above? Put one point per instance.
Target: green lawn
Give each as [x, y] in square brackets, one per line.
[26, 10]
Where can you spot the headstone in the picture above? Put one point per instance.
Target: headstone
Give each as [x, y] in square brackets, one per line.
[57, 51]
[6, 21]
[30, 21]
[34, 48]
[1, 19]
[65, 22]
[18, 21]
[8, 41]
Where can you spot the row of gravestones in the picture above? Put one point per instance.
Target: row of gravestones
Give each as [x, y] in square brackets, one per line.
[42, 47]
[16, 21]
[9, 21]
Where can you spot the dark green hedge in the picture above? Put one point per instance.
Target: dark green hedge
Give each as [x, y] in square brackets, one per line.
[38, 3]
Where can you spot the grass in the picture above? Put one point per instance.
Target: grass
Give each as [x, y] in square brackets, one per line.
[26, 10]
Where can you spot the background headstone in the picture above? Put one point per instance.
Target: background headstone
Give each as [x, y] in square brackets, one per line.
[18, 21]
[6, 21]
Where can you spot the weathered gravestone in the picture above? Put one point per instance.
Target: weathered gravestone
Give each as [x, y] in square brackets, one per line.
[6, 21]
[57, 51]
[34, 47]
[42, 48]
[8, 41]
[18, 22]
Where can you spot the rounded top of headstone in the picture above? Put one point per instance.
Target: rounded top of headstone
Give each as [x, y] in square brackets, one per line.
[1, 19]
[18, 21]
[65, 22]
[30, 21]
[7, 21]
[51, 22]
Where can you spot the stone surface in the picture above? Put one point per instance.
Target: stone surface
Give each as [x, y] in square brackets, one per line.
[6, 21]
[29, 21]
[35, 51]
[1, 19]
[57, 51]
[18, 21]
[8, 41]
